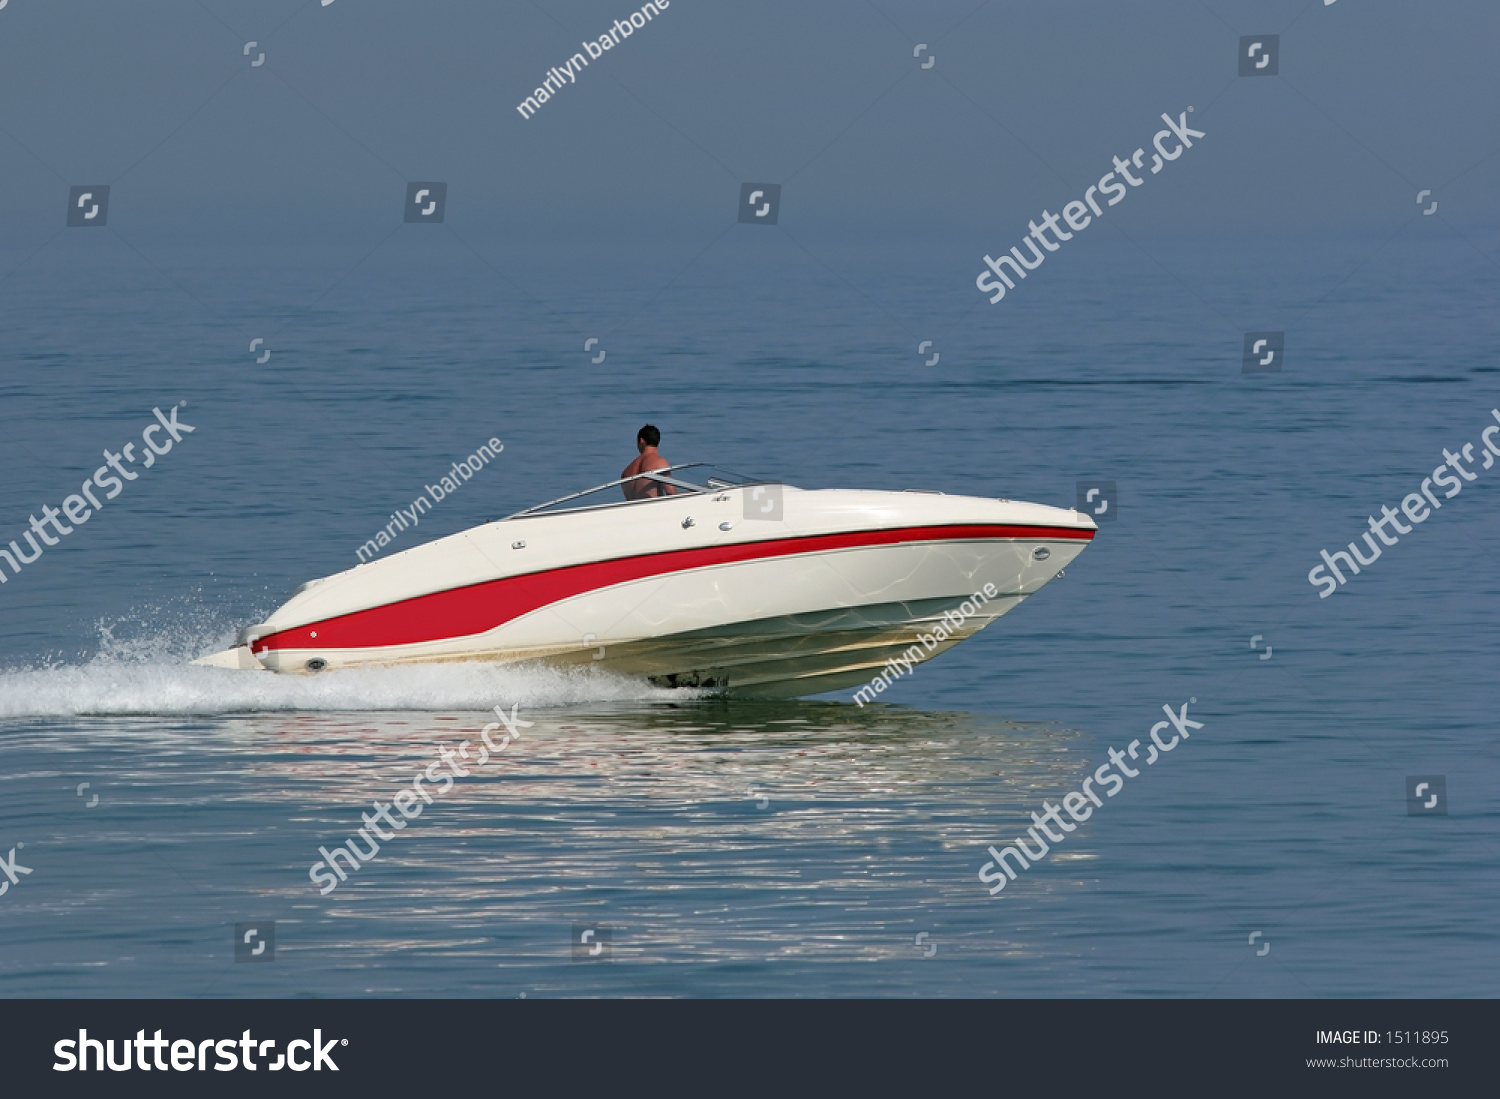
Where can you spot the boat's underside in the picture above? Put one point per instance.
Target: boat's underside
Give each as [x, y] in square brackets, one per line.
[788, 656]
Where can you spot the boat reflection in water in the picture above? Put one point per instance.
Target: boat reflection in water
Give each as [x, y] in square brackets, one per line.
[703, 831]
[732, 847]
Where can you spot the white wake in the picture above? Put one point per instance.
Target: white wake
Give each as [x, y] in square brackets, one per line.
[147, 672]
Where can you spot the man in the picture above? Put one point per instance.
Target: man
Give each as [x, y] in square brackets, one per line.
[644, 488]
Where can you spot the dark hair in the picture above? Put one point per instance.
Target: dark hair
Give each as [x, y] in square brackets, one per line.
[649, 435]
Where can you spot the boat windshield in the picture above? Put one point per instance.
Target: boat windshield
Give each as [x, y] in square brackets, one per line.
[688, 479]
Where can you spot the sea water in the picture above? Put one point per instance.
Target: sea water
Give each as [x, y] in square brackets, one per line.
[750, 848]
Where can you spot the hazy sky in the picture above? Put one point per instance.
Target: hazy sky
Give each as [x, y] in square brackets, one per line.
[1023, 107]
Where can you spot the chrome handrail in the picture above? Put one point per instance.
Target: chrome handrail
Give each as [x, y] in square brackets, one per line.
[652, 474]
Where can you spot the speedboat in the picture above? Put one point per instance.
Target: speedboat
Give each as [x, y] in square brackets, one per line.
[751, 588]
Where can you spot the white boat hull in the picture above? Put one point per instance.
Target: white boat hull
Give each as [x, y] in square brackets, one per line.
[685, 590]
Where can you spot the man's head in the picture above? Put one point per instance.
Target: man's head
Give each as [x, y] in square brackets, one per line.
[648, 436]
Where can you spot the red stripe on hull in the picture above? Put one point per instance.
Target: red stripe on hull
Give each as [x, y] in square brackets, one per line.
[478, 608]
